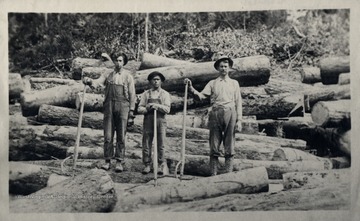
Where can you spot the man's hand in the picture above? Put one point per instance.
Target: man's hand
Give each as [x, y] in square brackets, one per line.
[131, 118]
[238, 126]
[87, 81]
[188, 81]
[152, 106]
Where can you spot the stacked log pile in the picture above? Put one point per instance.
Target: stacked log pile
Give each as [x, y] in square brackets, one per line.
[45, 128]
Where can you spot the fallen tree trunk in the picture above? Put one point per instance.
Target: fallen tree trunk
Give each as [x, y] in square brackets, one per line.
[328, 93]
[91, 191]
[310, 75]
[63, 95]
[38, 83]
[237, 182]
[290, 154]
[16, 85]
[272, 107]
[79, 63]
[93, 72]
[250, 71]
[344, 78]
[316, 178]
[149, 61]
[199, 165]
[332, 114]
[331, 68]
[275, 86]
[25, 178]
[289, 128]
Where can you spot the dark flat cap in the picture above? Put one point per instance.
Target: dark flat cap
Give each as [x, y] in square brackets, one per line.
[155, 73]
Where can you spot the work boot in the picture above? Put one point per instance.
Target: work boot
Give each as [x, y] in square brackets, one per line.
[163, 169]
[214, 161]
[147, 169]
[119, 168]
[229, 164]
[106, 166]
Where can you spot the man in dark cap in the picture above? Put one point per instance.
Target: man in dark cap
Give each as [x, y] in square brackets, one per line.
[119, 105]
[158, 99]
[225, 115]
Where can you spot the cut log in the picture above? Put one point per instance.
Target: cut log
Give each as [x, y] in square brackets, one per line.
[328, 140]
[332, 114]
[79, 63]
[93, 102]
[316, 178]
[344, 78]
[290, 154]
[63, 95]
[340, 162]
[94, 72]
[310, 75]
[25, 178]
[44, 83]
[237, 182]
[199, 165]
[328, 93]
[331, 68]
[250, 71]
[16, 85]
[92, 191]
[153, 61]
[275, 86]
[273, 107]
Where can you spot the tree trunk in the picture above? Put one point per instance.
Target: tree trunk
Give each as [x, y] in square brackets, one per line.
[250, 71]
[290, 154]
[91, 191]
[331, 68]
[44, 83]
[92, 72]
[310, 75]
[316, 178]
[272, 107]
[275, 86]
[328, 93]
[16, 85]
[332, 113]
[199, 165]
[79, 63]
[25, 178]
[344, 78]
[63, 95]
[247, 181]
[149, 61]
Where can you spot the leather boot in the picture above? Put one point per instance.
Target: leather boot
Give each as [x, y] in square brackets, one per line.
[229, 164]
[214, 161]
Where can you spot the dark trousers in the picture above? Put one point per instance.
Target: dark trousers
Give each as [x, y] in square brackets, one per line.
[222, 121]
[115, 119]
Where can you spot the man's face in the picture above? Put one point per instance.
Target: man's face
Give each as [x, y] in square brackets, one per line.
[223, 68]
[156, 82]
[119, 62]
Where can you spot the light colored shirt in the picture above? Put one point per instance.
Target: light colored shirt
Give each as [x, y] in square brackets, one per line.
[160, 93]
[124, 78]
[224, 92]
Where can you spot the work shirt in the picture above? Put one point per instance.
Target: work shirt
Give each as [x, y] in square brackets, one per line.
[160, 93]
[123, 78]
[224, 92]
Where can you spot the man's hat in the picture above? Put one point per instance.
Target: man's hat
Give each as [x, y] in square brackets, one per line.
[156, 73]
[223, 58]
[115, 55]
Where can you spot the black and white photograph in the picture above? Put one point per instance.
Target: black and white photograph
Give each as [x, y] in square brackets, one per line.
[180, 110]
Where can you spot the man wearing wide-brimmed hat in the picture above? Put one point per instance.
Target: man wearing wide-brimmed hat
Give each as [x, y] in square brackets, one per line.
[158, 99]
[119, 106]
[225, 115]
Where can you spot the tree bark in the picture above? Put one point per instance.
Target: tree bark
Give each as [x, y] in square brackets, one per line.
[149, 61]
[91, 191]
[63, 95]
[199, 165]
[275, 86]
[25, 178]
[16, 85]
[290, 154]
[331, 68]
[250, 71]
[246, 181]
[79, 63]
[316, 178]
[344, 78]
[332, 113]
[310, 75]
[328, 93]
